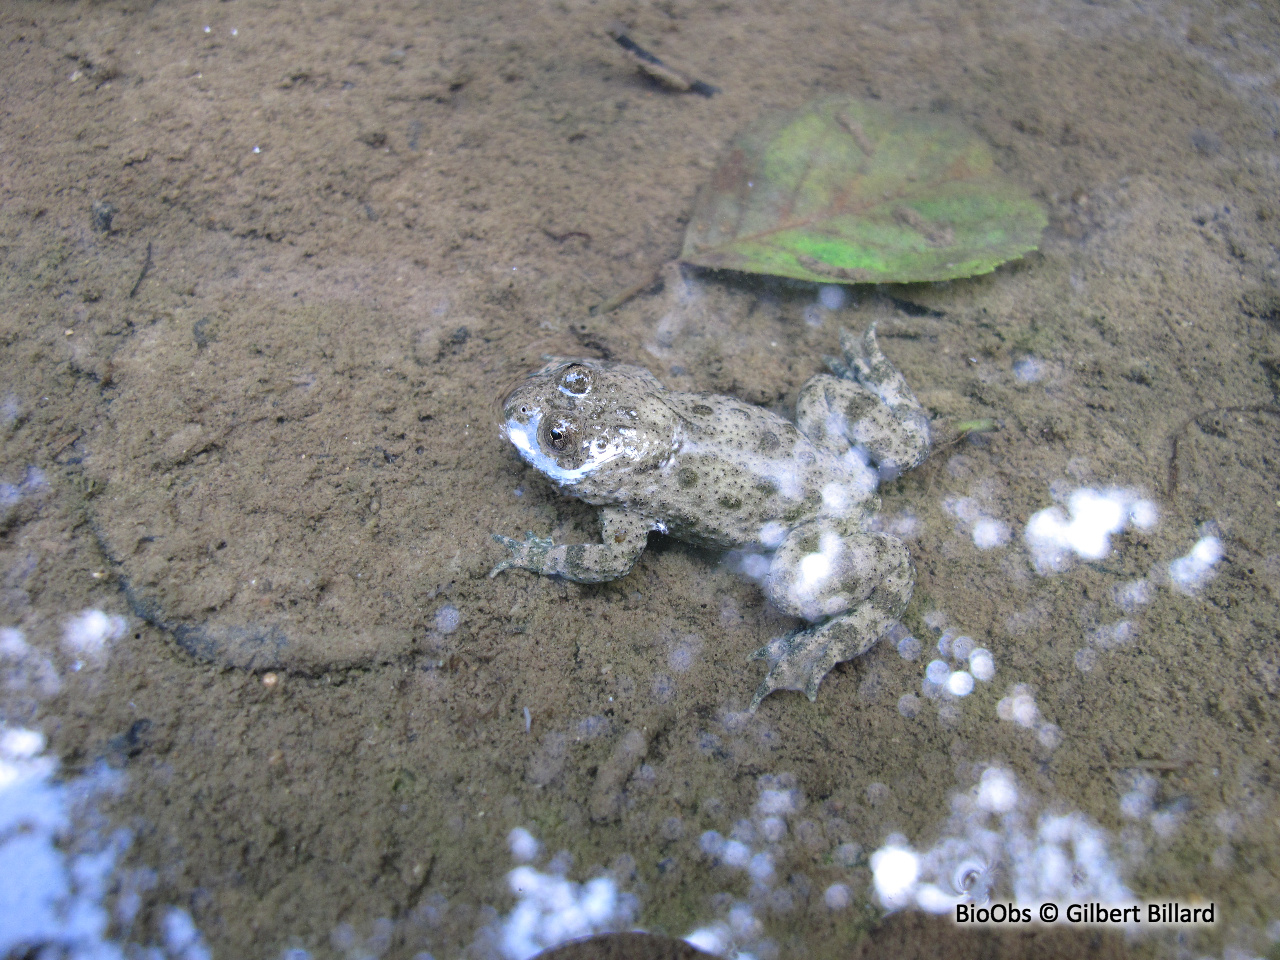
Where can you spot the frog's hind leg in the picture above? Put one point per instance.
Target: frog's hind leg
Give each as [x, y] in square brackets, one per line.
[867, 403]
[867, 584]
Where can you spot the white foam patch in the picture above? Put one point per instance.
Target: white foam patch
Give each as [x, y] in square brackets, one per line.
[736, 854]
[1131, 596]
[552, 910]
[987, 532]
[181, 938]
[1108, 636]
[760, 867]
[772, 534]
[996, 845]
[909, 648]
[815, 568]
[1085, 529]
[714, 939]
[1138, 802]
[895, 870]
[1189, 574]
[25, 670]
[51, 885]
[997, 791]
[89, 634]
[1028, 369]
[524, 846]
[832, 296]
[448, 618]
[755, 566]
[1019, 707]
[938, 672]
[837, 897]
[774, 801]
[982, 665]
[960, 683]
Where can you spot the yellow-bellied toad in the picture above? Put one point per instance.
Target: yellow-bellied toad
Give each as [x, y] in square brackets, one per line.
[715, 471]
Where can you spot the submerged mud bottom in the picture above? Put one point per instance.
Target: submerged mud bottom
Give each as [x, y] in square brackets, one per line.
[248, 483]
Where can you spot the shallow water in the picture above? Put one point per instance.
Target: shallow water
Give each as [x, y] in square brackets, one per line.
[260, 697]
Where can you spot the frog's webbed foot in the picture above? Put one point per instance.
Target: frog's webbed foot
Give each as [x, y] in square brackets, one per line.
[865, 363]
[527, 554]
[897, 441]
[801, 660]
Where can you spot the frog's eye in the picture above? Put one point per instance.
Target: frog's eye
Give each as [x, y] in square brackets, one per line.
[560, 435]
[576, 380]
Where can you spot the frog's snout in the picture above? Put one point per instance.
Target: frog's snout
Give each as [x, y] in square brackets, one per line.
[513, 407]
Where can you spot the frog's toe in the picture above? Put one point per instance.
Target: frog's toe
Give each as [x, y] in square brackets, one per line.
[864, 361]
[801, 660]
[797, 662]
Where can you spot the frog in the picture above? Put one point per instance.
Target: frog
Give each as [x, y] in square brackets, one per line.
[799, 497]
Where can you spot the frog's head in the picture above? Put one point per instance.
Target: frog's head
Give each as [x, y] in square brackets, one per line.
[590, 424]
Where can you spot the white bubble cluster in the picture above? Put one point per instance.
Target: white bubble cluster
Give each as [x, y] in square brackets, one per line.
[837, 897]
[1107, 636]
[947, 682]
[908, 648]
[895, 870]
[753, 846]
[960, 683]
[24, 671]
[551, 909]
[52, 888]
[1028, 369]
[1138, 801]
[997, 791]
[1019, 707]
[995, 845]
[448, 618]
[832, 296]
[982, 665]
[524, 846]
[1188, 574]
[89, 634]
[987, 532]
[182, 939]
[1094, 517]
[1132, 595]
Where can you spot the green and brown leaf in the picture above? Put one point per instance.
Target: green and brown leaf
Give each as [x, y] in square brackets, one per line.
[847, 191]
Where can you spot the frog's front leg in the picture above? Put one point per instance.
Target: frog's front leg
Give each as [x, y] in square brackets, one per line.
[860, 582]
[624, 537]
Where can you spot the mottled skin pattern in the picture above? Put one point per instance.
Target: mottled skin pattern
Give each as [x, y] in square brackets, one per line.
[715, 471]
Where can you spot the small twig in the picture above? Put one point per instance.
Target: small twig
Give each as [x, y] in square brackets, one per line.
[146, 266]
[653, 67]
[618, 299]
[567, 235]
[1160, 766]
[63, 442]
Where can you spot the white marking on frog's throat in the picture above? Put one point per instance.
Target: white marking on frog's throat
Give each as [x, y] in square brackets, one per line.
[524, 437]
